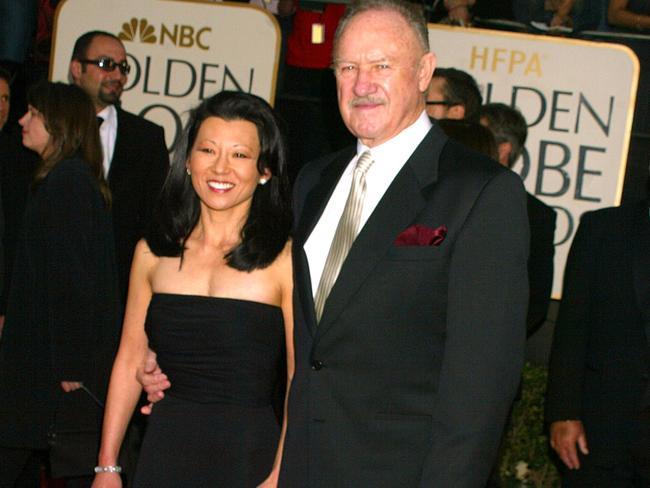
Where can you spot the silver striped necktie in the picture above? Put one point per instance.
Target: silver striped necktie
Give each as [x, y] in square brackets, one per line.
[346, 232]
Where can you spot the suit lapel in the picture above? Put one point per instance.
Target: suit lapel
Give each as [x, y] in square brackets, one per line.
[314, 205]
[320, 194]
[396, 210]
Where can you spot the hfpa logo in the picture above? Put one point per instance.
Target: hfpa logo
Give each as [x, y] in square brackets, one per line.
[178, 35]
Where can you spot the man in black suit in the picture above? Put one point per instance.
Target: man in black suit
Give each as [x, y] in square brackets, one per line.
[406, 369]
[598, 399]
[406, 376]
[510, 132]
[135, 155]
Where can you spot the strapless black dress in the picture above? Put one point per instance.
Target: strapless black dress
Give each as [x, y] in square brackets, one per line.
[216, 426]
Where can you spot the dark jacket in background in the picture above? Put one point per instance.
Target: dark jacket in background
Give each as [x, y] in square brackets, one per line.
[137, 172]
[600, 359]
[62, 321]
[17, 166]
[540, 262]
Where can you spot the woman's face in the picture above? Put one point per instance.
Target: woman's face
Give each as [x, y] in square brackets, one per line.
[223, 164]
[35, 136]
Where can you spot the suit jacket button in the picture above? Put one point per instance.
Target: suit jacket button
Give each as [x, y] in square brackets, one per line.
[317, 365]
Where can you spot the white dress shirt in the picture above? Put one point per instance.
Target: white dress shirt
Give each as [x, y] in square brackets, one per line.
[389, 158]
[108, 135]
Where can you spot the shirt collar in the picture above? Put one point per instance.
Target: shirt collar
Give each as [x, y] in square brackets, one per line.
[403, 143]
[109, 114]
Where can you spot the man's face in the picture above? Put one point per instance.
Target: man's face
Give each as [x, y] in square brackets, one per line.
[436, 102]
[381, 74]
[4, 102]
[103, 87]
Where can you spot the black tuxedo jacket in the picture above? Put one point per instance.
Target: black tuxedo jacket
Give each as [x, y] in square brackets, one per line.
[600, 358]
[541, 218]
[136, 175]
[408, 378]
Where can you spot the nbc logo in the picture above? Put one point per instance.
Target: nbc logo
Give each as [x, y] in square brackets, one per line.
[178, 35]
[141, 28]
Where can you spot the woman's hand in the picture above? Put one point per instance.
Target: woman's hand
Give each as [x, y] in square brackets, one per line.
[69, 386]
[107, 480]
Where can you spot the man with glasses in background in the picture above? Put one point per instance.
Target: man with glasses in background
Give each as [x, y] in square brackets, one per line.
[453, 94]
[135, 155]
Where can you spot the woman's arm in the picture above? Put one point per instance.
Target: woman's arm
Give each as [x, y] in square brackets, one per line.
[124, 390]
[286, 280]
[620, 16]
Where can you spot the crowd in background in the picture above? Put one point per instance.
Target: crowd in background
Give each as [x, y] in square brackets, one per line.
[307, 94]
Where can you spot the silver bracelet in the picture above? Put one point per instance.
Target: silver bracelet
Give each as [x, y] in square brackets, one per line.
[108, 469]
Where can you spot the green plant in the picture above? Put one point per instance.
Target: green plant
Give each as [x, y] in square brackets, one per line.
[525, 458]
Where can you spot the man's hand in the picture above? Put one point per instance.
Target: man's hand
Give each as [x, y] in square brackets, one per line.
[152, 380]
[565, 435]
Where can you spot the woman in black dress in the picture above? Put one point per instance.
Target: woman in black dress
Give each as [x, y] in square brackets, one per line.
[62, 325]
[210, 292]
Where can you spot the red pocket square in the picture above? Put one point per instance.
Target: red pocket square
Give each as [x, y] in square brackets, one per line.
[421, 235]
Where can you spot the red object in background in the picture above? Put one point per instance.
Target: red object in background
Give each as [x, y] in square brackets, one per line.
[301, 51]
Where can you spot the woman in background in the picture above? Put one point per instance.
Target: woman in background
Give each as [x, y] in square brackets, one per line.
[210, 292]
[61, 326]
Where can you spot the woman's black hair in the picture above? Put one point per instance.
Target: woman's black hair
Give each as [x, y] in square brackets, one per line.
[267, 227]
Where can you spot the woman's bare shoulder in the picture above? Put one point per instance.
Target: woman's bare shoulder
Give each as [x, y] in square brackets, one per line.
[144, 260]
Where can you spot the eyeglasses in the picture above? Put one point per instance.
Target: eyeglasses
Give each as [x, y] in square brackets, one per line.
[439, 102]
[108, 64]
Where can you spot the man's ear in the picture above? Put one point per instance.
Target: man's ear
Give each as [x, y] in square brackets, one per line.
[425, 71]
[75, 70]
[504, 149]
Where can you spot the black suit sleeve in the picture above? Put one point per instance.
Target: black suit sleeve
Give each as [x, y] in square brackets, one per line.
[571, 336]
[484, 349]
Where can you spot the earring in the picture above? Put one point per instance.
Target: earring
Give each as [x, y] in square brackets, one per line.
[263, 181]
[188, 171]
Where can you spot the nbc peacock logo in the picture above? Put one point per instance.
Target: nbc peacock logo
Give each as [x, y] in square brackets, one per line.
[180, 35]
[138, 28]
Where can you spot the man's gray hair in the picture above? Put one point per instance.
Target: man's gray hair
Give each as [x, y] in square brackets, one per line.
[412, 13]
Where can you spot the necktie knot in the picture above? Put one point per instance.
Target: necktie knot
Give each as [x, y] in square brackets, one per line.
[364, 162]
